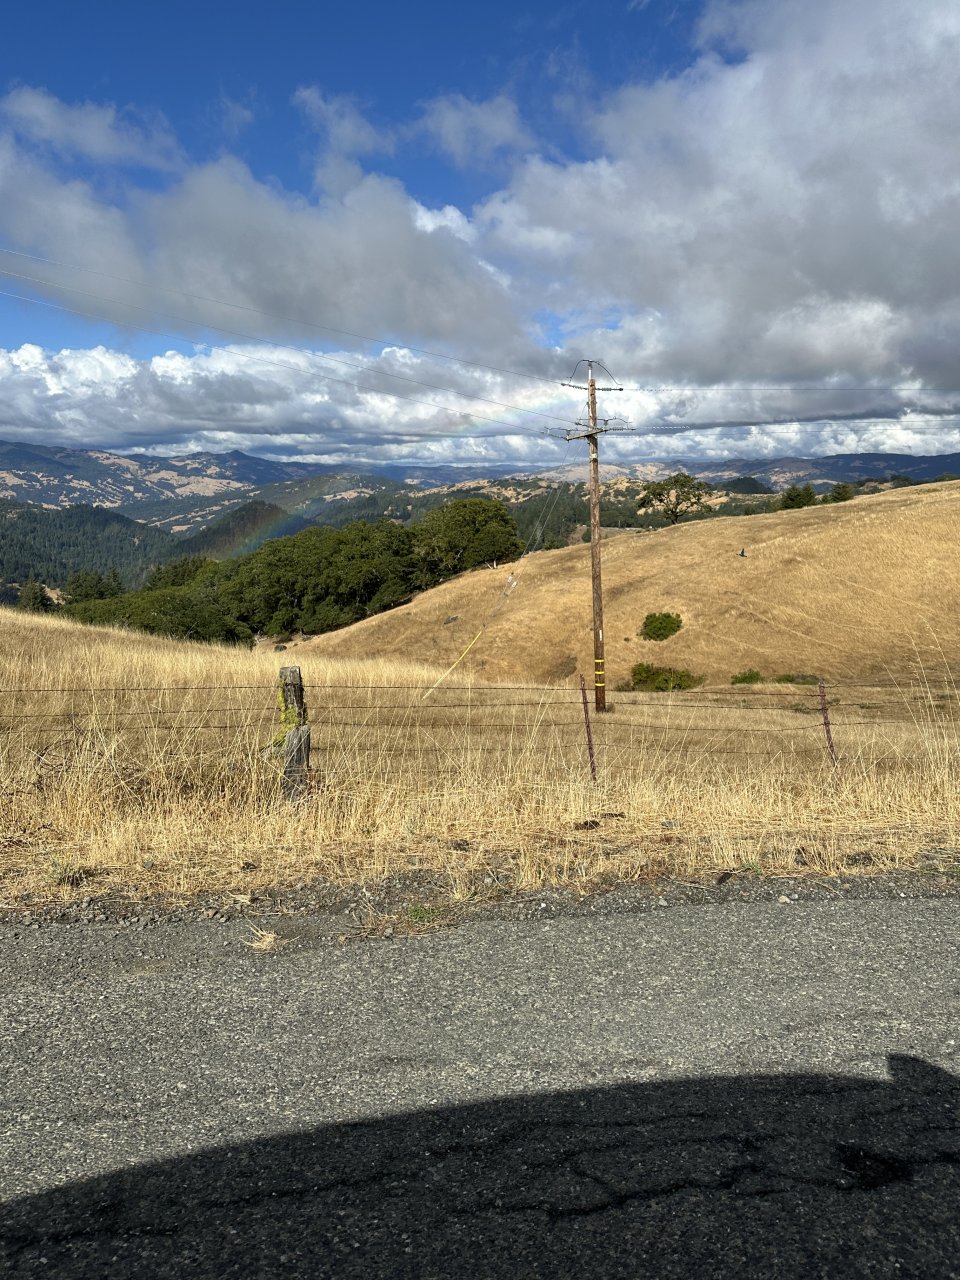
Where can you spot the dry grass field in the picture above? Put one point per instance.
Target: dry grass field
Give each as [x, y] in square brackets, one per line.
[133, 764]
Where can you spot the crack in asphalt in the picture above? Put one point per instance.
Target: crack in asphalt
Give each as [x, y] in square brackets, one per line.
[858, 1170]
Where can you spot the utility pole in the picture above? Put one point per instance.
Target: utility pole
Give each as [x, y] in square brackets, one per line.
[590, 434]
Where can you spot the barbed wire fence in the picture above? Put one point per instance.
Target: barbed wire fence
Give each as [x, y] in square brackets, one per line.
[300, 728]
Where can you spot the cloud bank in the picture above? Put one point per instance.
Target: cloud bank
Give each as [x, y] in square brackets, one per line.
[781, 212]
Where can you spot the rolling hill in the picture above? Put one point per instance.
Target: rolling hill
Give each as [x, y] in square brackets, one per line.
[864, 589]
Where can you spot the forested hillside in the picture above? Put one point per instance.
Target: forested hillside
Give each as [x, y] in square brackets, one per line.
[315, 581]
[240, 531]
[50, 545]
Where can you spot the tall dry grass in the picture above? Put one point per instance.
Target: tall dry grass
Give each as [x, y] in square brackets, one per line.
[130, 762]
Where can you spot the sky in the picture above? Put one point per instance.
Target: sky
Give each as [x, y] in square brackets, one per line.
[371, 233]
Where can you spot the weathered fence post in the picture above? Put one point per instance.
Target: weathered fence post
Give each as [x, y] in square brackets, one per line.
[586, 721]
[295, 744]
[825, 712]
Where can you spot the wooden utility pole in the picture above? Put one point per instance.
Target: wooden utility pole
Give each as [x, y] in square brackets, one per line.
[591, 433]
[599, 671]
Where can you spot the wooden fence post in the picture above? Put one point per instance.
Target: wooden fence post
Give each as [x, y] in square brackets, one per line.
[825, 712]
[586, 722]
[295, 746]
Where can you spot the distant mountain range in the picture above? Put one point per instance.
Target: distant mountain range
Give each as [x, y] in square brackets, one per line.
[833, 468]
[67, 509]
[58, 477]
[184, 493]
[778, 473]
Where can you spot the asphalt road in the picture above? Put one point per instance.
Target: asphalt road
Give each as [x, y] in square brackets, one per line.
[745, 1089]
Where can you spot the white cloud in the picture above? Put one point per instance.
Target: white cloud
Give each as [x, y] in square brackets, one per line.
[100, 133]
[340, 120]
[345, 134]
[363, 263]
[473, 133]
[449, 218]
[276, 402]
[783, 211]
[234, 117]
[265, 400]
[750, 204]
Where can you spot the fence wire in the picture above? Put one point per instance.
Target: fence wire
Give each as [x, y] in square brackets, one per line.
[441, 730]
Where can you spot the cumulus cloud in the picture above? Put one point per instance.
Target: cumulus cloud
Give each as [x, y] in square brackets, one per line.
[345, 135]
[346, 409]
[339, 118]
[366, 263]
[449, 218]
[233, 117]
[93, 131]
[473, 133]
[783, 214]
[273, 401]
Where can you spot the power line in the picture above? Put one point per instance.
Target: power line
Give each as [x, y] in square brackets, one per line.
[286, 346]
[807, 386]
[805, 424]
[438, 355]
[310, 324]
[279, 364]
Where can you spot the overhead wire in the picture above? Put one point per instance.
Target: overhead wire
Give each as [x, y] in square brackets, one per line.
[806, 424]
[271, 315]
[799, 386]
[649, 389]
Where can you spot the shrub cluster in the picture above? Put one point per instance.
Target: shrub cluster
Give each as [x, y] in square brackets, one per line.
[662, 679]
[747, 677]
[661, 626]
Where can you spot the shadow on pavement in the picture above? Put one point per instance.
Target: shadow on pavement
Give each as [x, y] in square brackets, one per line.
[756, 1176]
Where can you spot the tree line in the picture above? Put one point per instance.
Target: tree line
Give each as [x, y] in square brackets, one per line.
[317, 580]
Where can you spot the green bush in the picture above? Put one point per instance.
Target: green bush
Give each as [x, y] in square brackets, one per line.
[747, 677]
[168, 611]
[661, 626]
[795, 679]
[661, 679]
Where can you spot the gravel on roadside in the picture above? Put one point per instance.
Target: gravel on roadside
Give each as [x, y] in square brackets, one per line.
[421, 902]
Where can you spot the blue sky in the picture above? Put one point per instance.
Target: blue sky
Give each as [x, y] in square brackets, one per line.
[206, 66]
[711, 196]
